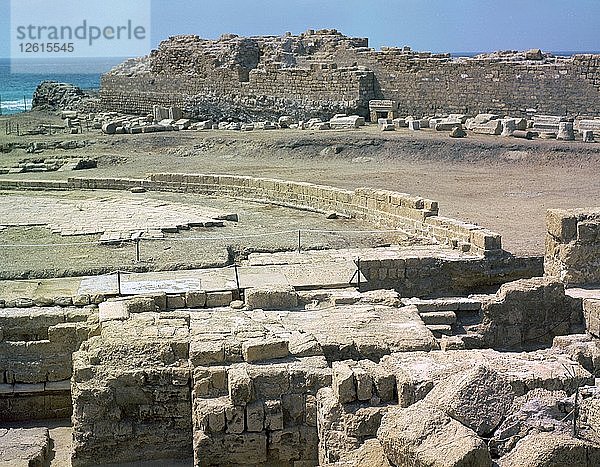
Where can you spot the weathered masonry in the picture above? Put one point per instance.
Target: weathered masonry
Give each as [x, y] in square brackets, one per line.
[321, 73]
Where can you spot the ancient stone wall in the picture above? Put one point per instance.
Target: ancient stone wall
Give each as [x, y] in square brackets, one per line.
[413, 214]
[318, 74]
[573, 245]
[267, 94]
[35, 360]
[131, 392]
[428, 85]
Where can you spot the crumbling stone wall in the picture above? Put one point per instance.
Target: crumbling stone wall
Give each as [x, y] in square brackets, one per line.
[35, 360]
[509, 84]
[131, 392]
[318, 74]
[573, 245]
[528, 313]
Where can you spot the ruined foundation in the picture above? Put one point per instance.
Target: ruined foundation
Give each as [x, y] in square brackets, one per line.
[444, 354]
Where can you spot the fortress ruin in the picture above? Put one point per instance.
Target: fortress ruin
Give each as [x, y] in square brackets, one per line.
[322, 73]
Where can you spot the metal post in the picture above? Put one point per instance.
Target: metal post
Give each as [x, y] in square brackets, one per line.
[0, 105]
[576, 411]
[25, 103]
[119, 282]
[237, 281]
[137, 249]
[299, 242]
[358, 272]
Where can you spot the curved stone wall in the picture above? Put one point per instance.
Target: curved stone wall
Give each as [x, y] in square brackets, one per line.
[389, 209]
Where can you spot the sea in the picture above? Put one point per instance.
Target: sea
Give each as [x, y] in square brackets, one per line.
[18, 80]
[16, 89]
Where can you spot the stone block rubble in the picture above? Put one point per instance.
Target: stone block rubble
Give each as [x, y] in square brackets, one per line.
[328, 377]
[426, 372]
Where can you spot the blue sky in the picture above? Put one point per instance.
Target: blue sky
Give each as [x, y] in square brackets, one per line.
[435, 25]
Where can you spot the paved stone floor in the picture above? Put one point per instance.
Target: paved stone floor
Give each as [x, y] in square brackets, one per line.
[116, 216]
[304, 270]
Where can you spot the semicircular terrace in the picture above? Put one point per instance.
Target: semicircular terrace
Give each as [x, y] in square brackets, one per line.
[412, 214]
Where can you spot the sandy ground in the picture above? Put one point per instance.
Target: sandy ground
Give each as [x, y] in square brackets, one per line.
[503, 184]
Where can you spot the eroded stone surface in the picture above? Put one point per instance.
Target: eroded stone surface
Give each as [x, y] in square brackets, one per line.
[20, 447]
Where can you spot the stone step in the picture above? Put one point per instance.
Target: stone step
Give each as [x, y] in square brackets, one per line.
[438, 317]
[440, 330]
[456, 304]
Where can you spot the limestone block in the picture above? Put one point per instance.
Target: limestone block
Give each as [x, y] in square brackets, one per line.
[364, 384]
[479, 398]
[183, 123]
[458, 132]
[272, 298]
[261, 349]
[346, 122]
[414, 125]
[81, 300]
[588, 136]
[343, 384]
[270, 381]
[565, 131]
[65, 334]
[109, 128]
[438, 317]
[310, 412]
[206, 352]
[20, 303]
[400, 122]
[285, 121]
[591, 313]
[448, 125]
[293, 408]
[109, 311]
[43, 301]
[231, 449]
[508, 127]
[561, 224]
[234, 417]
[448, 343]
[139, 304]
[304, 345]
[485, 118]
[493, 127]
[160, 301]
[240, 387]
[485, 239]
[175, 301]
[550, 449]
[218, 299]
[273, 415]
[370, 453]
[255, 416]
[58, 386]
[24, 447]
[422, 435]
